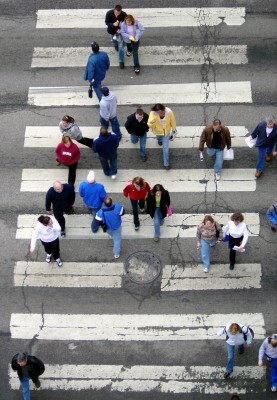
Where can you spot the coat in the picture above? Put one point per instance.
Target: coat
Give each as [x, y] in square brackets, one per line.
[97, 66]
[68, 155]
[138, 31]
[111, 19]
[262, 139]
[151, 204]
[157, 127]
[135, 127]
[36, 367]
[207, 137]
[63, 201]
[135, 194]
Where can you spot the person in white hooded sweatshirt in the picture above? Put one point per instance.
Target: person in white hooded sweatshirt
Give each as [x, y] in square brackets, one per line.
[108, 108]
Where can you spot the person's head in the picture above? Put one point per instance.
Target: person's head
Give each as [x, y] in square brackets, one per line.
[129, 20]
[158, 189]
[273, 340]
[108, 201]
[139, 114]
[67, 141]
[103, 131]
[22, 359]
[117, 10]
[58, 186]
[216, 125]
[95, 47]
[105, 91]
[45, 220]
[66, 120]
[270, 121]
[159, 109]
[234, 329]
[138, 182]
[91, 177]
[208, 221]
[235, 397]
[237, 218]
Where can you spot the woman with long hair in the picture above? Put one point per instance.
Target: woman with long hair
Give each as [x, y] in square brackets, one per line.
[137, 190]
[157, 203]
[68, 127]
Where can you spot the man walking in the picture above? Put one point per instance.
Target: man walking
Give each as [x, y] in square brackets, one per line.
[59, 200]
[108, 109]
[113, 20]
[97, 66]
[111, 216]
[93, 195]
[216, 137]
[27, 367]
[136, 126]
[106, 146]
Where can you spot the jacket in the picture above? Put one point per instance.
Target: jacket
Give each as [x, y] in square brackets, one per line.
[272, 214]
[236, 231]
[111, 216]
[73, 131]
[108, 106]
[45, 233]
[34, 364]
[93, 194]
[135, 194]
[63, 201]
[207, 137]
[237, 339]
[135, 127]
[97, 66]
[151, 204]
[209, 235]
[267, 350]
[111, 18]
[106, 146]
[157, 127]
[138, 31]
[68, 155]
[262, 139]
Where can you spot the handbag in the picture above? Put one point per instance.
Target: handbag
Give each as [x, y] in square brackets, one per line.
[228, 154]
[169, 211]
[90, 91]
[250, 143]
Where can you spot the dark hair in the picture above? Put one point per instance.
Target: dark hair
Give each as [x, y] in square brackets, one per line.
[108, 201]
[235, 397]
[237, 217]
[208, 218]
[158, 107]
[216, 122]
[44, 219]
[95, 47]
[118, 7]
[139, 111]
[68, 119]
[103, 131]
[156, 188]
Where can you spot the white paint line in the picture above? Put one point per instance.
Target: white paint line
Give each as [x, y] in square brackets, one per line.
[145, 378]
[175, 180]
[150, 17]
[183, 93]
[65, 57]
[188, 137]
[127, 327]
[179, 225]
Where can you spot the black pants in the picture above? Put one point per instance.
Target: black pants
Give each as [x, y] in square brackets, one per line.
[135, 204]
[52, 248]
[72, 173]
[234, 242]
[86, 142]
[60, 218]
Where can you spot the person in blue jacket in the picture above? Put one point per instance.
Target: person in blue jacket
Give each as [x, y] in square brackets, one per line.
[266, 134]
[271, 215]
[97, 66]
[106, 146]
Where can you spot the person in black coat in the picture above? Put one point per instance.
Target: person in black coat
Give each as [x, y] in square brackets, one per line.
[136, 126]
[113, 20]
[62, 197]
[157, 202]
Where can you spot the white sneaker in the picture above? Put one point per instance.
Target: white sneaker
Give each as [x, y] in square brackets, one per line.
[116, 255]
[217, 176]
[48, 258]
[59, 262]
[206, 270]
[273, 388]
[114, 176]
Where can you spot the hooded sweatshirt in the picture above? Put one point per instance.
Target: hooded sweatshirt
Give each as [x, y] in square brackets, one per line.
[106, 146]
[73, 131]
[68, 155]
[108, 105]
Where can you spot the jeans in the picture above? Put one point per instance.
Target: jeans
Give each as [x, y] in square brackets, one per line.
[262, 152]
[273, 377]
[231, 356]
[94, 224]
[96, 86]
[116, 236]
[205, 251]
[165, 141]
[109, 166]
[114, 123]
[157, 222]
[234, 242]
[142, 143]
[119, 45]
[24, 381]
[218, 158]
[135, 204]
[133, 48]
[72, 173]
[52, 248]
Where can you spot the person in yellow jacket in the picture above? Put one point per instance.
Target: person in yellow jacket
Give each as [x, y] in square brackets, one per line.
[162, 122]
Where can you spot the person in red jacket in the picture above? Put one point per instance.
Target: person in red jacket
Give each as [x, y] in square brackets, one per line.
[68, 153]
[137, 190]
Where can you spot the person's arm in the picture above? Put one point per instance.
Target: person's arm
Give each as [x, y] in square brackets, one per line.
[226, 229]
[255, 133]
[202, 140]
[128, 124]
[58, 151]
[271, 215]
[76, 155]
[152, 120]
[245, 237]
[35, 236]
[139, 31]
[72, 195]
[198, 236]
[103, 194]
[89, 72]
[48, 201]
[261, 353]
[126, 191]
[219, 228]
[109, 21]
[172, 121]
[124, 33]
[221, 332]
[56, 225]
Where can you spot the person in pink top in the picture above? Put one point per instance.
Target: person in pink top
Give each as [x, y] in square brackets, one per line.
[68, 153]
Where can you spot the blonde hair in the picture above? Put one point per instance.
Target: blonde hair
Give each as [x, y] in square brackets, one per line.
[273, 340]
[138, 180]
[66, 139]
[208, 218]
[130, 18]
[234, 329]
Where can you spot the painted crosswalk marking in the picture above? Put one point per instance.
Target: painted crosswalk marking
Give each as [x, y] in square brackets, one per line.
[178, 225]
[109, 276]
[60, 57]
[175, 180]
[183, 93]
[158, 17]
[188, 137]
[146, 378]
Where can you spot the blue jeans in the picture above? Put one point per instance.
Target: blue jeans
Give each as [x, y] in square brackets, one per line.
[165, 141]
[94, 224]
[218, 159]
[119, 45]
[25, 387]
[116, 236]
[157, 221]
[205, 251]
[96, 86]
[114, 123]
[109, 165]
[133, 48]
[142, 143]
[231, 356]
[262, 152]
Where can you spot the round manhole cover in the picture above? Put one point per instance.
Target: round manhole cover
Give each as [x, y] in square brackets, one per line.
[143, 267]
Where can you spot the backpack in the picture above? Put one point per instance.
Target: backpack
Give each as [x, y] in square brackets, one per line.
[244, 334]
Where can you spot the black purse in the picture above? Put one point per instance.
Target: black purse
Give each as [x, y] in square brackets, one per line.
[90, 91]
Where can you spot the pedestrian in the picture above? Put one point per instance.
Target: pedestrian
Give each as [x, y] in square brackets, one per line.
[163, 124]
[27, 367]
[209, 233]
[106, 146]
[137, 190]
[93, 195]
[237, 231]
[136, 126]
[68, 127]
[108, 109]
[59, 200]
[236, 335]
[266, 134]
[268, 350]
[157, 203]
[131, 32]
[113, 20]
[110, 214]
[216, 137]
[47, 230]
[97, 66]
[271, 215]
[68, 153]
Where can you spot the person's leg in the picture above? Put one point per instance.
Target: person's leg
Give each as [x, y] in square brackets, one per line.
[218, 161]
[94, 225]
[232, 252]
[273, 377]
[47, 248]
[230, 361]
[134, 138]
[96, 86]
[141, 204]
[72, 173]
[261, 157]
[129, 48]
[166, 150]
[135, 47]
[24, 382]
[116, 127]
[120, 45]
[157, 221]
[116, 235]
[142, 147]
[86, 142]
[105, 165]
[269, 150]
[115, 42]
[103, 122]
[113, 165]
[134, 204]
[55, 245]
[60, 218]
[205, 253]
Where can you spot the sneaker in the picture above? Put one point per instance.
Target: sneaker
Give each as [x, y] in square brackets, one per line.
[137, 71]
[274, 388]
[37, 384]
[156, 239]
[273, 229]
[206, 269]
[136, 227]
[57, 163]
[217, 176]
[232, 266]
[59, 262]
[114, 176]
[258, 174]
[48, 258]
[160, 143]
[227, 374]
[63, 235]
[268, 157]
[142, 210]
[116, 255]
[121, 64]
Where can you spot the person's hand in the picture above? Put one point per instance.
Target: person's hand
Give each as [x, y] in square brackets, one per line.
[154, 120]
[219, 241]
[260, 363]
[274, 153]
[198, 245]
[32, 251]
[116, 23]
[133, 39]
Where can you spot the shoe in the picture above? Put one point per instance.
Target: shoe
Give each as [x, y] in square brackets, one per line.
[136, 227]
[273, 229]
[258, 174]
[37, 384]
[206, 269]
[116, 255]
[241, 350]
[160, 143]
[143, 158]
[137, 71]
[217, 177]
[227, 374]
[116, 48]
[273, 388]
[58, 163]
[114, 176]
[167, 167]
[268, 157]
[63, 235]
[48, 258]
[232, 266]
[156, 239]
[128, 53]
[121, 64]
[59, 262]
